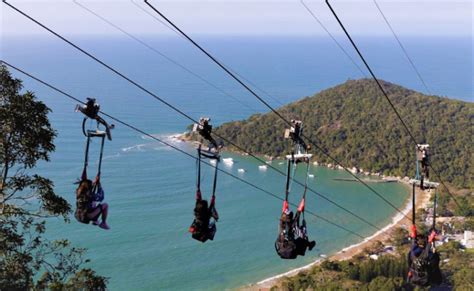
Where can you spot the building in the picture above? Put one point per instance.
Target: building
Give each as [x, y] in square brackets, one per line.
[468, 239]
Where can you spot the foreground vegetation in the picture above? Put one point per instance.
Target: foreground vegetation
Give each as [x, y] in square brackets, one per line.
[390, 269]
[386, 273]
[355, 124]
[28, 260]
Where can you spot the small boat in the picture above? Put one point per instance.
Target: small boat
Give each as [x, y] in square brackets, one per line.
[213, 162]
[262, 168]
[241, 170]
[310, 175]
[280, 163]
[323, 256]
[228, 161]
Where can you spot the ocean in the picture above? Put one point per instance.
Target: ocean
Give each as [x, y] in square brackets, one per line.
[150, 187]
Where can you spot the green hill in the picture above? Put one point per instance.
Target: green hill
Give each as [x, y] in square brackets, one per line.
[356, 125]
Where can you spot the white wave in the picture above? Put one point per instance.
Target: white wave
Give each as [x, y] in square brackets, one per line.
[162, 148]
[135, 148]
[154, 144]
[112, 156]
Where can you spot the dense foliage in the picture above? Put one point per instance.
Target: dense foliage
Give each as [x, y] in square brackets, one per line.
[29, 261]
[386, 273]
[354, 123]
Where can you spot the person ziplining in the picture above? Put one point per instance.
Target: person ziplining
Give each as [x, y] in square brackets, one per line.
[292, 237]
[423, 260]
[203, 227]
[90, 194]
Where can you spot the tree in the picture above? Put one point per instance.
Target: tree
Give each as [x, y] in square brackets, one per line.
[400, 237]
[26, 137]
[355, 126]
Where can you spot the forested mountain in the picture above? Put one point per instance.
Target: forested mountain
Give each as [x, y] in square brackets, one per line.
[355, 124]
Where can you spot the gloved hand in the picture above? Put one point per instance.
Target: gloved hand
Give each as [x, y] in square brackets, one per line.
[432, 236]
[301, 206]
[413, 231]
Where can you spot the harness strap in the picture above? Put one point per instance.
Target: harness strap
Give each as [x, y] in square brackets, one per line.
[84, 131]
[413, 214]
[434, 209]
[287, 187]
[100, 157]
[198, 177]
[214, 185]
[413, 208]
[302, 203]
[86, 159]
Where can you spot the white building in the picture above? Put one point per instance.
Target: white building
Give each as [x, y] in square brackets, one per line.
[468, 240]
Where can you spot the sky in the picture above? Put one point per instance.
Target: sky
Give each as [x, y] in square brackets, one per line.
[243, 17]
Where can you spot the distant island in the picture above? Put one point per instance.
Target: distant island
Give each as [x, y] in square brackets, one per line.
[355, 124]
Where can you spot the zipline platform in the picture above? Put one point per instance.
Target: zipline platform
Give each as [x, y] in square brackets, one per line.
[426, 184]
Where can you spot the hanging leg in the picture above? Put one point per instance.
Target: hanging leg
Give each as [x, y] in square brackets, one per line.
[105, 212]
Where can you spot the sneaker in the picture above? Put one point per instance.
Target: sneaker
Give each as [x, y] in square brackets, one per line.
[104, 225]
[311, 245]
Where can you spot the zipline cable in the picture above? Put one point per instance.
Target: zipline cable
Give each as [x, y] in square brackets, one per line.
[276, 100]
[156, 51]
[332, 37]
[227, 140]
[156, 18]
[179, 111]
[174, 147]
[230, 69]
[270, 107]
[403, 48]
[342, 49]
[407, 129]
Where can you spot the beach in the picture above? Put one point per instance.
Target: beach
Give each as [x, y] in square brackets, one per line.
[383, 235]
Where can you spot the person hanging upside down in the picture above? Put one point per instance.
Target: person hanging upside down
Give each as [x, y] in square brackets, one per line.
[203, 228]
[87, 208]
[292, 238]
[423, 262]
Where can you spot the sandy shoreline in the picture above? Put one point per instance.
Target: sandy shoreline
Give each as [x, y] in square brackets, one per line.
[383, 235]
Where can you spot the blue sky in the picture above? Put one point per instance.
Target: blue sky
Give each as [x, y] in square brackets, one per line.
[244, 17]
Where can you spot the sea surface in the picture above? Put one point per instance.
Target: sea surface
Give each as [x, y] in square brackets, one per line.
[150, 187]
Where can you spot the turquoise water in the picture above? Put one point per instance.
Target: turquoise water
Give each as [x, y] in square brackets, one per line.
[150, 188]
